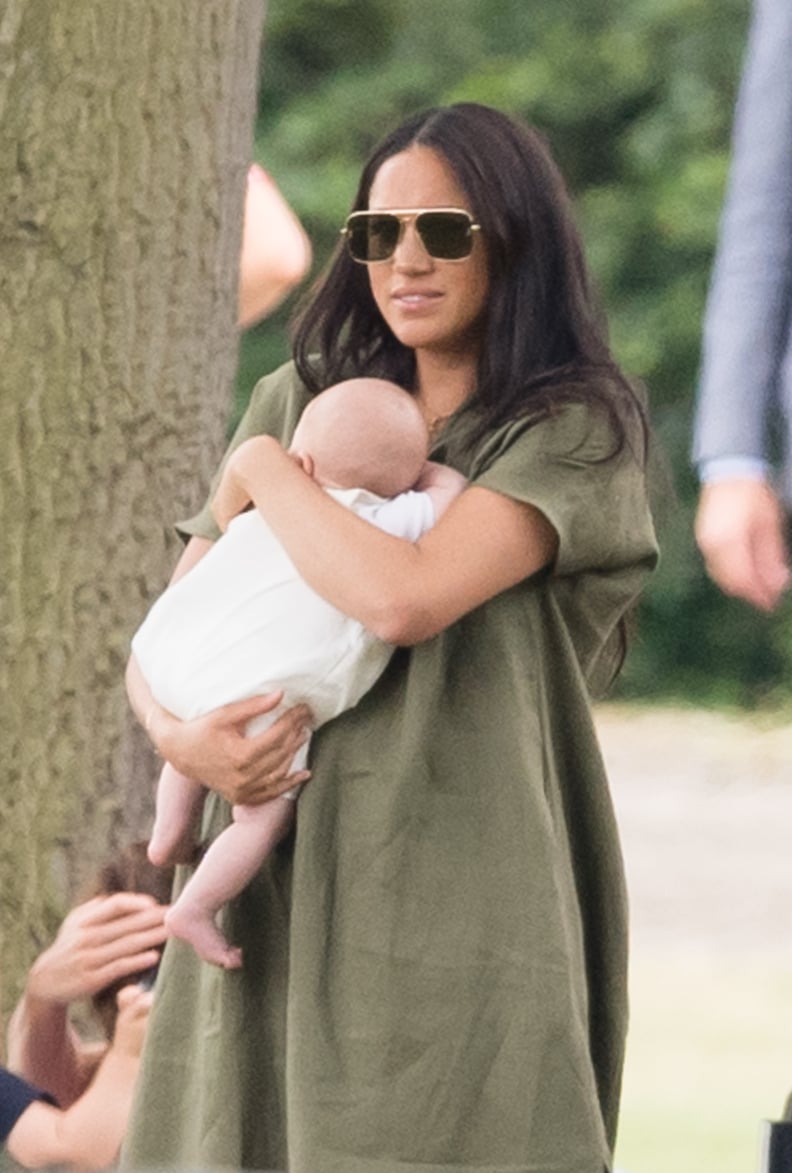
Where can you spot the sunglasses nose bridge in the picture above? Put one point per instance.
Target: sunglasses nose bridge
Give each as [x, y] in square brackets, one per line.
[410, 242]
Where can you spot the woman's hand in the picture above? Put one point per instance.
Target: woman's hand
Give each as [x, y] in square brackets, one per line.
[214, 750]
[100, 941]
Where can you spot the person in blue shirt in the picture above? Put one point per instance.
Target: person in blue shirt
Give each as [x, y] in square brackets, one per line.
[742, 447]
[38, 1133]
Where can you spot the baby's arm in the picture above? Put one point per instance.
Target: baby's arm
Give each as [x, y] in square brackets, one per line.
[89, 1134]
[441, 483]
[239, 481]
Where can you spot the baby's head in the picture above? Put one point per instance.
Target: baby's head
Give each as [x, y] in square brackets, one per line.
[364, 433]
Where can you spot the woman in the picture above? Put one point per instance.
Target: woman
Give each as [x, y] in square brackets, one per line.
[435, 966]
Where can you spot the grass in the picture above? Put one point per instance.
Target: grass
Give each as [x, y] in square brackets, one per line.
[709, 1057]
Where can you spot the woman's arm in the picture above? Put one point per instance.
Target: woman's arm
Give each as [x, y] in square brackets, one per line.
[100, 941]
[404, 592]
[89, 1133]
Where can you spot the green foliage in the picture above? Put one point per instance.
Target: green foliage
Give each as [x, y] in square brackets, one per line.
[636, 98]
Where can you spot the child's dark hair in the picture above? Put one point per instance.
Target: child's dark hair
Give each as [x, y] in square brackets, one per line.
[129, 871]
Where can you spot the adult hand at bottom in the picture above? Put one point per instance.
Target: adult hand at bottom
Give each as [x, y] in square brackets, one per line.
[134, 1006]
[100, 941]
[740, 532]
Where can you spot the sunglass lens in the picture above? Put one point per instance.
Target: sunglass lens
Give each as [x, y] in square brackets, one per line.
[446, 235]
[372, 237]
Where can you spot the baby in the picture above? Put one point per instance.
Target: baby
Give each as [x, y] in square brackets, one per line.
[243, 623]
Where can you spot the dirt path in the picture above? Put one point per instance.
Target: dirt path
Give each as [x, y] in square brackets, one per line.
[704, 803]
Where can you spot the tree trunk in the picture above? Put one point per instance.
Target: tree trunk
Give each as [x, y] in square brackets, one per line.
[125, 133]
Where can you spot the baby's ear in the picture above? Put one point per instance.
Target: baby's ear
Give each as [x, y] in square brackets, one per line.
[305, 461]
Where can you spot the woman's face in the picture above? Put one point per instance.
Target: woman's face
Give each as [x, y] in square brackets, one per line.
[430, 305]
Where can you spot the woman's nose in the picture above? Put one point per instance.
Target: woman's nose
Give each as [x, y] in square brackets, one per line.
[410, 252]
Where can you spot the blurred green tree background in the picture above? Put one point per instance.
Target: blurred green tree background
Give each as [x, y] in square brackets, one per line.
[636, 98]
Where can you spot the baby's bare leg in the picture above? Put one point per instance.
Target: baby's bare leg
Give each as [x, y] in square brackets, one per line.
[175, 832]
[228, 866]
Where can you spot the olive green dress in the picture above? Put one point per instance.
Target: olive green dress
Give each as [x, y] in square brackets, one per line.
[435, 963]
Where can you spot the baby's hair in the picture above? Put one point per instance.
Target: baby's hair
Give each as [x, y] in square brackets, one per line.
[365, 433]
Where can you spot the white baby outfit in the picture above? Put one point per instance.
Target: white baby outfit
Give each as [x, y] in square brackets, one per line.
[243, 623]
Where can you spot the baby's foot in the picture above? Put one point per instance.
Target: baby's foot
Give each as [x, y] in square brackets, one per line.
[198, 928]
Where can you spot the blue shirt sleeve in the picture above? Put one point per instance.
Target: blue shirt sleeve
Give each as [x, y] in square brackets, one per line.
[16, 1095]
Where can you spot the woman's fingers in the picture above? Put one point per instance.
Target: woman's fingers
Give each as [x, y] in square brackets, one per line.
[271, 751]
[267, 764]
[274, 749]
[259, 790]
[217, 750]
[239, 713]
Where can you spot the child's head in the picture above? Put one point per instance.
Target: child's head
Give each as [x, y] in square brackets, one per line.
[364, 433]
[129, 870]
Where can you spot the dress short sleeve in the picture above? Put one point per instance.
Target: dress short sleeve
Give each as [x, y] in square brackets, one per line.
[596, 499]
[564, 466]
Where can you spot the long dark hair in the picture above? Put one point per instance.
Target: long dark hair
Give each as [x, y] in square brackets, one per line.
[544, 338]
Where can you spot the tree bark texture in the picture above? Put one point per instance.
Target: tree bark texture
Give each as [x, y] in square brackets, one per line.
[125, 133]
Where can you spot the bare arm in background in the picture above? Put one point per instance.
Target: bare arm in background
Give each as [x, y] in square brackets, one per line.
[89, 1133]
[276, 253]
[100, 941]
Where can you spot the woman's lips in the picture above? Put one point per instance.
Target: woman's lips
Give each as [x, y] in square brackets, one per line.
[415, 298]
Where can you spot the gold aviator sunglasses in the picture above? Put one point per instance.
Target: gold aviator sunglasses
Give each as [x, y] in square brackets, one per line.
[446, 233]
